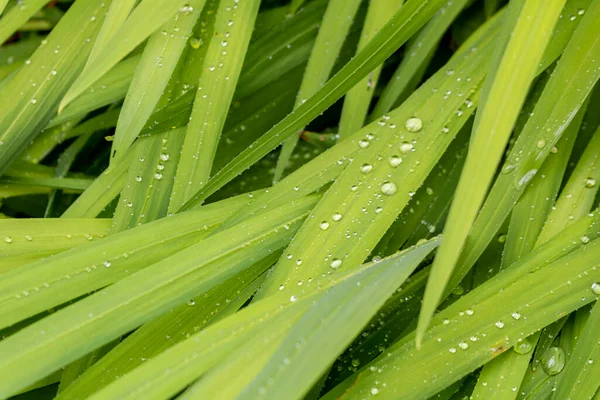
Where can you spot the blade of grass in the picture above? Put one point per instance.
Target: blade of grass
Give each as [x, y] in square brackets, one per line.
[333, 31]
[147, 17]
[116, 16]
[83, 270]
[147, 188]
[505, 98]
[143, 296]
[331, 163]
[581, 378]
[552, 114]
[14, 18]
[221, 69]
[412, 16]
[358, 99]
[152, 75]
[44, 79]
[100, 193]
[416, 55]
[485, 334]
[390, 165]
[31, 239]
[526, 231]
[287, 46]
[258, 321]
[321, 347]
[109, 89]
[177, 325]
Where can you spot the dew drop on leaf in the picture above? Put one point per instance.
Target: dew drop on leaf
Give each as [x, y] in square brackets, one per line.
[413, 125]
[553, 360]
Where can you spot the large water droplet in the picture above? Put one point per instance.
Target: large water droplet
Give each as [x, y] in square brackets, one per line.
[186, 9]
[324, 225]
[413, 125]
[366, 168]
[336, 217]
[523, 347]
[596, 288]
[553, 360]
[590, 183]
[405, 147]
[389, 188]
[395, 161]
[335, 263]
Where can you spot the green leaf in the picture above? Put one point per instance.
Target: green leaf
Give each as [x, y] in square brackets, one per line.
[242, 336]
[581, 378]
[397, 31]
[153, 72]
[551, 116]
[417, 55]
[391, 162]
[219, 77]
[147, 188]
[17, 16]
[83, 270]
[333, 30]
[147, 17]
[501, 108]
[358, 99]
[177, 325]
[143, 296]
[31, 239]
[42, 82]
[476, 329]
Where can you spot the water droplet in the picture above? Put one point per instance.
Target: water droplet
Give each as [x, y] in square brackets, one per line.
[191, 302]
[298, 262]
[335, 263]
[293, 298]
[138, 178]
[527, 177]
[389, 188]
[366, 168]
[374, 391]
[516, 315]
[378, 210]
[395, 161]
[499, 324]
[590, 183]
[158, 176]
[363, 143]
[541, 143]
[186, 9]
[463, 345]
[107, 264]
[524, 346]
[596, 288]
[585, 239]
[553, 360]
[324, 225]
[413, 124]
[164, 157]
[405, 147]
[452, 350]
[581, 11]
[8, 239]
[507, 169]
[195, 42]
[336, 217]
[469, 312]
